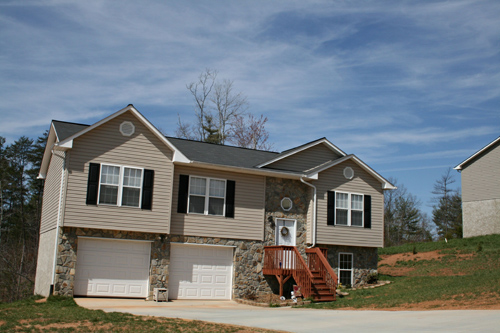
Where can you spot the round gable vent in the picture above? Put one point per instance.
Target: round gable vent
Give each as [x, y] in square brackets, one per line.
[286, 204]
[348, 173]
[127, 128]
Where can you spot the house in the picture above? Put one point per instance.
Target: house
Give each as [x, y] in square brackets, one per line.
[127, 210]
[481, 191]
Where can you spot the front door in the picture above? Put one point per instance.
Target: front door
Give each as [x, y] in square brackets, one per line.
[285, 235]
[285, 232]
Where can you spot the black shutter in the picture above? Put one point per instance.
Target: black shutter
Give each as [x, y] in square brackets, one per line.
[230, 188]
[368, 211]
[93, 183]
[147, 189]
[182, 199]
[330, 214]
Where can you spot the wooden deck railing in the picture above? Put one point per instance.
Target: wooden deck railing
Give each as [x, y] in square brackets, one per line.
[286, 261]
[317, 262]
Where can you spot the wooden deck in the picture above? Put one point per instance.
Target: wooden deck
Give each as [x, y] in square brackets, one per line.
[315, 277]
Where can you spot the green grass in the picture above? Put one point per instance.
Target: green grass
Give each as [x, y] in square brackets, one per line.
[466, 245]
[62, 314]
[451, 279]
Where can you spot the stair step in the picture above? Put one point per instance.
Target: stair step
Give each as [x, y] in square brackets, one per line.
[323, 298]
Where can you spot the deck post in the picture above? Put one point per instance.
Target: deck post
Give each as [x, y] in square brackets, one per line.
[282, 280]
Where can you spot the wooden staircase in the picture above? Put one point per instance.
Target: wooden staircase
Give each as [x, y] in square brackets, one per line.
[316, 278]
[320, 291]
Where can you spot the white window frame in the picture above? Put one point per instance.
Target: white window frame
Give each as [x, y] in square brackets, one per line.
[120, 185]
[350, 209]
[344, 269]
[207, 195]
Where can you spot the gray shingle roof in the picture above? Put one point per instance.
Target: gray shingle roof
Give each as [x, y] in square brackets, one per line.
[65, 130]
[222, 155]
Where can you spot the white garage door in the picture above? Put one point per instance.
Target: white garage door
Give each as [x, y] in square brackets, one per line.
[200, 272]
[114, 268]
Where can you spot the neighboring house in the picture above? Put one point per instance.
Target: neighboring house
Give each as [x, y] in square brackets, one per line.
[127, 210]
[481, 191]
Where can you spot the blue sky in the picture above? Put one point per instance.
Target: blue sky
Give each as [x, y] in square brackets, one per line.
[410, 87]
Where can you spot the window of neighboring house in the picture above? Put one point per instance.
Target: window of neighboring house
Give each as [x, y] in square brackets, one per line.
[349, 209]
[120, 186]
[207, 196]
[345, 269]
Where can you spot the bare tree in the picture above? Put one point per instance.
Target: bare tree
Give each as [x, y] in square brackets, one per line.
[184, 130]
[250, 132]
[221, 115]
[201, 91]
[227, 105]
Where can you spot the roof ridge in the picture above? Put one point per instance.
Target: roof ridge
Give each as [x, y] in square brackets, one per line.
[69, 122]
[221, 145]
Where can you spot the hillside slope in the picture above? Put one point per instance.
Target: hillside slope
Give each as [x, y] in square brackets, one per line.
[458, 274]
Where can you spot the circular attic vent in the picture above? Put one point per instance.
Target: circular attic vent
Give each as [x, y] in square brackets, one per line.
[348, 173]
[127, 128]
[286, 204]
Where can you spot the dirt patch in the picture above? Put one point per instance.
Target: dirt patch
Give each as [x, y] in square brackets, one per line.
[2, 322]
[394, 264]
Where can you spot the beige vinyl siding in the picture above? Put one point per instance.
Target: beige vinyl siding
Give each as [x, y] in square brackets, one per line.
[481, 178]
[52, 190]
[248, 221]
[333, 179]
[306, 159]
[105, 144]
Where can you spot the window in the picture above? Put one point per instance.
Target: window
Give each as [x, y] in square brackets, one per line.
[206, 196]
[345, 269]
[349, 209]
[120, 186]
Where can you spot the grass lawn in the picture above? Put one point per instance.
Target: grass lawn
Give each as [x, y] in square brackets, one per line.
[459, 274]
[62, 314]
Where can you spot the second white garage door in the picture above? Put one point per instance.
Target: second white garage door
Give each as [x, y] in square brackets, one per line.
[200, 272]
[113, 268]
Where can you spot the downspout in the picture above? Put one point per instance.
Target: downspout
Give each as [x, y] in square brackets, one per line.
[313, 222]
[59, 213]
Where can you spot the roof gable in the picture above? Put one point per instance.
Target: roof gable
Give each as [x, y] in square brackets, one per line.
[386, 185]
[291, 152]
[477, 154]
[68, 142]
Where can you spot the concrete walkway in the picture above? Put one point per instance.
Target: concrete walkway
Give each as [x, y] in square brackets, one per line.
[306, 320]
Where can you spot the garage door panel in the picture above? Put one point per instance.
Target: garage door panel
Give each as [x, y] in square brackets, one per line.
[112, 268]
[200, 272]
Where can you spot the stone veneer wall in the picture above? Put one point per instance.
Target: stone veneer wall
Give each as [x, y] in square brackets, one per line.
[364, 261]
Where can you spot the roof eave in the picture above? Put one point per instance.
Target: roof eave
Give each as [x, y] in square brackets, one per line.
[255, 171]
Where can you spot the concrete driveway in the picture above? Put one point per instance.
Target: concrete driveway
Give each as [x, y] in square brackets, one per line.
[306, 320]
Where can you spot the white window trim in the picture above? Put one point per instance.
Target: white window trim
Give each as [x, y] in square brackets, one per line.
[343, 269]
[120, 185]
[207, 195]
[349, 209]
